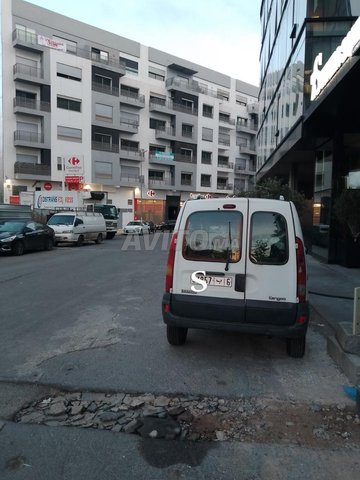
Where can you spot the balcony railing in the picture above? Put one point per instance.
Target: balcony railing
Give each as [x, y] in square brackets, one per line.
[31, 104]
[191, 85]
[225, 186]
[164, 182]
[229, 121]
[228, 165]
[32, 169]
[166, 131]
[133, 98]
[28, 137]
[105, 147]
[107, 89]
[32, 39]
[27, 70]
[224, 139]
[129, 125]
[205, 184]
[185, 158]
[132, 153]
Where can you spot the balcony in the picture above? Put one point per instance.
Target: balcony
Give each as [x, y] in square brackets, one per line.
[26, 105]
[29, 41]
[164, 158]
[166, 133]
[253, 108]
[129, 126]
[128, 153]
[28, 139]
[247, 149]
[185, 158]
[225, 165]
[168, 106]
[188, 85]
[165, 184]
[224, 139]
[26, 40]
[246, 127]
[26, 73]
[24, 170]
[225, 186]
[130, 180]
[133, 99]
[105, 147]
[107, 89]
[230, 122]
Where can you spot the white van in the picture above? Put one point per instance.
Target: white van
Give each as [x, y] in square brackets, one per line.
[237, 264]
[78, 227]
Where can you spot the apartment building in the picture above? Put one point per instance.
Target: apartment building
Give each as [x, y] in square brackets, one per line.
[88, 111]
[309, 127]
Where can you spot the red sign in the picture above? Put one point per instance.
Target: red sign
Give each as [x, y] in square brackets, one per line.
[47, 186]
[73, 179]
[14, 200]
[151, 193]
[73, 161]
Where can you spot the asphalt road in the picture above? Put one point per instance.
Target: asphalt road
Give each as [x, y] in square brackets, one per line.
[89, 318]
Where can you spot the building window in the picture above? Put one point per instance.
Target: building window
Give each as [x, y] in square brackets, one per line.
[69, 104]
[103, 169]
[206, 157]
[157, 74]
[240, 164]
[205, 180]
[23, 158]
[224, 117]
[186, 153]
[131, 66]
[207, 134]
[223, 95]
[26, 34]
[104, 82]
[156, 175]
[186, 178]
[208, 111]
[102, 141]
[67, 133]
[157, 124]
[103, 112]
[99, 55]
[240, 100]
[187, 130]
[129, 92]
[67, 71]
[126, 144]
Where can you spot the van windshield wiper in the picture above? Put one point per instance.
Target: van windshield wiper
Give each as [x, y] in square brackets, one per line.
[228, 250]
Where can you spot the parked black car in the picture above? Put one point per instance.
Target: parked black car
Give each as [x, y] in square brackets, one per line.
[19, 235]
[167, 226]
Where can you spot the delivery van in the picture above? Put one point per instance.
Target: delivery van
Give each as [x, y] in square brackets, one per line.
[237, 264]
[78, 227]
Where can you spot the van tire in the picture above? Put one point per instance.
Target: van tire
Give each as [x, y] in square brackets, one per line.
[176, 335]
[110, 235]
[99, 238]
[295, 347]
[80, 241]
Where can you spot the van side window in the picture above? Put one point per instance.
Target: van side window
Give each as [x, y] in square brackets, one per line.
[78, 221]
[269, 244]
[213, 236]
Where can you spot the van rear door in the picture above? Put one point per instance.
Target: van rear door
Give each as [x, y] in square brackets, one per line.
[271, 264]
[211, 239]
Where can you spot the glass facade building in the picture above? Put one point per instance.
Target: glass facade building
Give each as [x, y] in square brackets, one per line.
[311, 141]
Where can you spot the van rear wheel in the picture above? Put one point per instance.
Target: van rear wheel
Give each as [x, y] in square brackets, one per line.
[295, 347]
[176, 335]
[80, 241]
[99, 238]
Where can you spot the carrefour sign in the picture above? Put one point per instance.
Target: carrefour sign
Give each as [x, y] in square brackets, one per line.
[56, 199]
[320, 78]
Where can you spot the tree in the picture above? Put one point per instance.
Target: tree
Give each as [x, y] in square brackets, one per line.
[275, 188]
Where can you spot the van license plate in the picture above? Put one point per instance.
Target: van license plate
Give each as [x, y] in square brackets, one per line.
[213, 281]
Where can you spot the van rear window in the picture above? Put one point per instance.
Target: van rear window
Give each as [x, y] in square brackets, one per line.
[269, 244]
[213, 236]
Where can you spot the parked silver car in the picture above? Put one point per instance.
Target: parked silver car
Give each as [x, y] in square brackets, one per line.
[136, 227]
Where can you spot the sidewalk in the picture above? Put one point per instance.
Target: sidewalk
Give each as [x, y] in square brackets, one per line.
[331, 294]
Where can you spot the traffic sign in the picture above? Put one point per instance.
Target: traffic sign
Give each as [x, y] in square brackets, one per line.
[47, 186]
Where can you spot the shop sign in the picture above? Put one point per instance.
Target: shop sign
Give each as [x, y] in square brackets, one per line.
[56, 199]
[320, 78]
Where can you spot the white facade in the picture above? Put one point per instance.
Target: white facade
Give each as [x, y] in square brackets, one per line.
[115, 104]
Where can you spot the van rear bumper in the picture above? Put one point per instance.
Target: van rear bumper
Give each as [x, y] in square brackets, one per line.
[291, 329]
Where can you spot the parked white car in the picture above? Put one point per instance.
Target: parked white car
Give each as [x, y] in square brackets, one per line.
[136, 227]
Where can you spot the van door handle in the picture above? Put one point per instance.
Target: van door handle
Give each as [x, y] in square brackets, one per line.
[240, 282]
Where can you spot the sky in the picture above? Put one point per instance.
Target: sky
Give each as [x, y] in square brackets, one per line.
[223, 35]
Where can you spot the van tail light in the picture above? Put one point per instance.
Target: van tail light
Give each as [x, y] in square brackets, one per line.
[170, 264]
[300, 271]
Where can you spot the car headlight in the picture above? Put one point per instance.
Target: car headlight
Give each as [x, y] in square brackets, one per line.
[8, 239]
